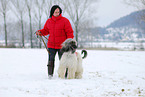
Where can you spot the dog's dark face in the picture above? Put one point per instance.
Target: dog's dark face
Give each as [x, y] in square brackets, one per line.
[70, 45]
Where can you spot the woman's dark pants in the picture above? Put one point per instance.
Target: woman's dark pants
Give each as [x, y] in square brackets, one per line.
[52, 59]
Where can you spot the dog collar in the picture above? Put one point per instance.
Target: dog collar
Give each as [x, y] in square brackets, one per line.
[76, 53]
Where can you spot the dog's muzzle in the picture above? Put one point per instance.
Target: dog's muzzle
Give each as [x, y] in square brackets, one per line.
[73, 47]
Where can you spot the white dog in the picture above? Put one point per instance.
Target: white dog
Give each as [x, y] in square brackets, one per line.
[71, 62]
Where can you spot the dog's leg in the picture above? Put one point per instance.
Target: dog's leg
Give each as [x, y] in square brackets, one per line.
[78, 75]
[61, 71]
[79, 71]
[71, 73]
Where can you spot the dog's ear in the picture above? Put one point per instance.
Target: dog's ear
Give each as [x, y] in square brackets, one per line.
[62, 50]
[65, 49]
[75, 46]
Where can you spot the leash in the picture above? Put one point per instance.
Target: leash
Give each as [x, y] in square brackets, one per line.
[49, 40]
[43, 42]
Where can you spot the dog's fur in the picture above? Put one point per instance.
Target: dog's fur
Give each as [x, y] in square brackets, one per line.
[71, 60]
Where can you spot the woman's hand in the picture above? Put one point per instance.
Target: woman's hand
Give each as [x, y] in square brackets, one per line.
[38, 33]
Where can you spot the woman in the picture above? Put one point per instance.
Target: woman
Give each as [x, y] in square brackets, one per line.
[59, 29]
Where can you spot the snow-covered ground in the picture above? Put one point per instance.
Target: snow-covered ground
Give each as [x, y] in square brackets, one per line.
[118, 45]
[23, 73]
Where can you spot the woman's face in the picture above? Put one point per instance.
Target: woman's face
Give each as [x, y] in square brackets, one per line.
[56, 12]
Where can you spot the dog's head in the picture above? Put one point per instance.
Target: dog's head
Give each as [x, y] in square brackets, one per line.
[69, 45]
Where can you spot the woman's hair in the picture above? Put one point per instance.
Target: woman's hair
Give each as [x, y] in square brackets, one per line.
[54, 7]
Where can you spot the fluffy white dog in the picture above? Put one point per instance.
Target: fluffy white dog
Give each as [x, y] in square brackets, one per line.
[71, 62]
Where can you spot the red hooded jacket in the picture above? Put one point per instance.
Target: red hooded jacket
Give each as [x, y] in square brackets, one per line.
[59, 29]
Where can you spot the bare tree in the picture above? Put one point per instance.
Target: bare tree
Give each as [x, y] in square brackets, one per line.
[77, 9]
[48, 4]
[29, 4]
[136, 3]
[3, 12]
[38, 13]
[20, 7]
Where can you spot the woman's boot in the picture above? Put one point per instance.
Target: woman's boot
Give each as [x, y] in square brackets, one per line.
[50, 69]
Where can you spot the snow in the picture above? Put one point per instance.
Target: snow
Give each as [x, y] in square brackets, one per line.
[23, 73]
[118, 45]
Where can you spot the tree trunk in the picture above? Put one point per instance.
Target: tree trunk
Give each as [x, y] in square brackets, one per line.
[76, 26]
[40, 28]
[5, 27]
[22, 27]
[31, 29]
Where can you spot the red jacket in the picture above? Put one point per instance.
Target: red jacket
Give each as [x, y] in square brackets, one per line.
[59, 29]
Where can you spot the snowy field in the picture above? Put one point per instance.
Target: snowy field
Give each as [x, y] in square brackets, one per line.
[23, 73]
[118, 45]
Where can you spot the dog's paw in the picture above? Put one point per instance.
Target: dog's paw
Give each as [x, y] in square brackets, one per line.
[78, 77]
[62, 77]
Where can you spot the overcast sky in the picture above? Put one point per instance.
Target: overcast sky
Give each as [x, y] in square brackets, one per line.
[110, 10]
[106, 11]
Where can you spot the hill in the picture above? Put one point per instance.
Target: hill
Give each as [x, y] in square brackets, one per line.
[133, 20]
[127, 28]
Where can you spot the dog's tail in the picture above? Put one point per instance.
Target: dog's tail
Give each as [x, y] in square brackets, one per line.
[85, 54]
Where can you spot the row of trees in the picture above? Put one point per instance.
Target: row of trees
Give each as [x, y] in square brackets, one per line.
[18, 14]
[21, 18]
